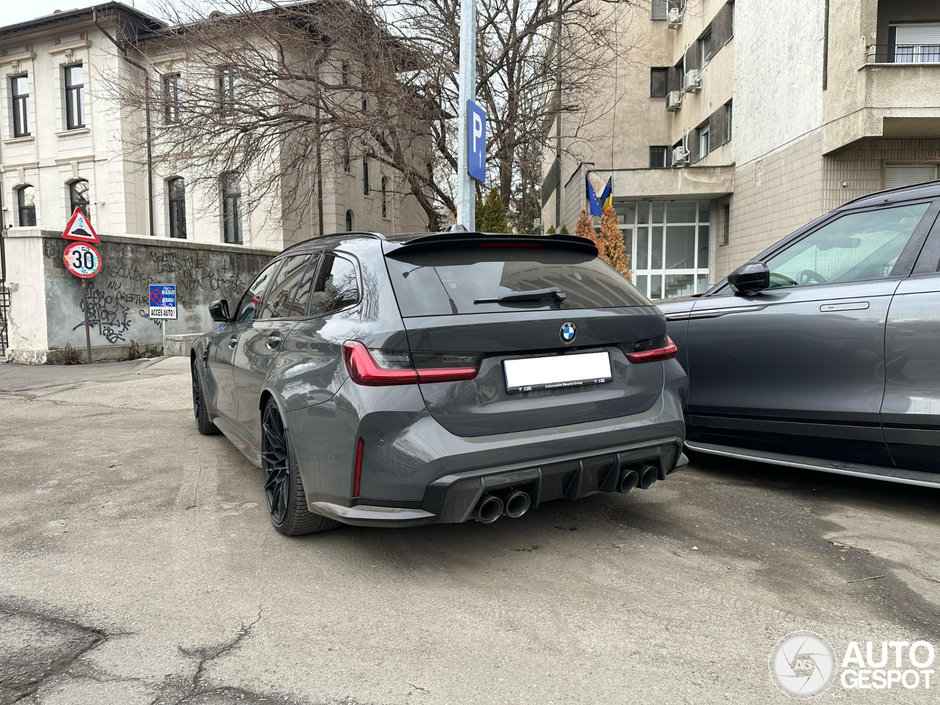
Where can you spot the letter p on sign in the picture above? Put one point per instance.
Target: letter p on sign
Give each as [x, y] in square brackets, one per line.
[476, 145]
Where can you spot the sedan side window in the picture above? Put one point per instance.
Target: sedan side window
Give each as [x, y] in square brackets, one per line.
[250, 305]
[854, 247]
[337, 286]
[278, 300]
[301, 295]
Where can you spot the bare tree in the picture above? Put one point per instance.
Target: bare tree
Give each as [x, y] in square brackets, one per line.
[286, 93]
[520, 80]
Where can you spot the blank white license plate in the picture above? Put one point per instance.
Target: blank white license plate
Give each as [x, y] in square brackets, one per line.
[530, 373]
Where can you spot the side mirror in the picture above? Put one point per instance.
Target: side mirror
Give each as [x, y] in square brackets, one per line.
[219, 311]
[750, 278]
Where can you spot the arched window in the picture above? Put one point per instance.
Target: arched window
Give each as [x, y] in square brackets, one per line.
[365, 175]
[385, 197]
[26, 206]
[349, 221]
[232, 208]
[176, 198]
[78, 197]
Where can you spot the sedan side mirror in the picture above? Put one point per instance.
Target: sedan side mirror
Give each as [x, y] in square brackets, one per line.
[219, 311]
[750, 278]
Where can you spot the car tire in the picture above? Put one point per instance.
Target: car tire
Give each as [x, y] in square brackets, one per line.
[203, 424]
[283, 488]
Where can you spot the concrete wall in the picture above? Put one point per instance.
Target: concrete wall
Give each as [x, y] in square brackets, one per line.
[859, 170]
[778, 62]
[773, 196]
[47, 312]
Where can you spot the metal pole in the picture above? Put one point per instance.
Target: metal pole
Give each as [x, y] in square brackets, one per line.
[87, 328]
[466, 195]
[558, 188]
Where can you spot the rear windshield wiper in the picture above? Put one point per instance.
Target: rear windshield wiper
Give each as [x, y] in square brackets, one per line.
[555, 294]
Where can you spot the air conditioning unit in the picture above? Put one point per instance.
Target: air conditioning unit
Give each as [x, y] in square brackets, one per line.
[680, 156]
[674, 18]
[692, 81]
[674, 100]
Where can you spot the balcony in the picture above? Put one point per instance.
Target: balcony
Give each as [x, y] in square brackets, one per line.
[903, 54]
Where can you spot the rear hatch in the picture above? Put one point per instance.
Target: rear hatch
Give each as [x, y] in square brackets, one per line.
[557, 335]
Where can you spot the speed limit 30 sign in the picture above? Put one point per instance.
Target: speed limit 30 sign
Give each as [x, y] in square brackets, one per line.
[82, 260]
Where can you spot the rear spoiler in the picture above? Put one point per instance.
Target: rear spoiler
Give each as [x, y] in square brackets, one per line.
[465, 240]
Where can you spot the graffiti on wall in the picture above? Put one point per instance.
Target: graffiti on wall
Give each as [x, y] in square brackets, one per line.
[106, 314]
[118, 305]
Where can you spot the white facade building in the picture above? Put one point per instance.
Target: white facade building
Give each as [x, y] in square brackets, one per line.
[65, 141]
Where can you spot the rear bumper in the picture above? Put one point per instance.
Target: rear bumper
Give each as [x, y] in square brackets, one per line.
[453, 498]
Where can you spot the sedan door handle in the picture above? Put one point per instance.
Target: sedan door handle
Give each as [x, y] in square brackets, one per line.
[232, 342]
[272, 342]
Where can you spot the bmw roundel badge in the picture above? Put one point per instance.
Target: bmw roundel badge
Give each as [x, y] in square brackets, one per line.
[568, 332]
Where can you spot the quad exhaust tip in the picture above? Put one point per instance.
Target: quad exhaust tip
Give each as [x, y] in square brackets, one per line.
[517, 504]
[648, 475]
[629, 482]
[489, 509]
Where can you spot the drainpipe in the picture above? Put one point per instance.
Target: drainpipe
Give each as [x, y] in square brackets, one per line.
[123, 50]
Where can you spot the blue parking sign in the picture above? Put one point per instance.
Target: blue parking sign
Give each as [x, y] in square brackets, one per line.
[163, 301]
[476, 141]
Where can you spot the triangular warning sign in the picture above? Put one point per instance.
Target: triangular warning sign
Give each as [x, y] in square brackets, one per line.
[79, 228]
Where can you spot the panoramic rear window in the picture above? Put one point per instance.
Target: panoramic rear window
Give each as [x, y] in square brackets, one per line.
[505, 279]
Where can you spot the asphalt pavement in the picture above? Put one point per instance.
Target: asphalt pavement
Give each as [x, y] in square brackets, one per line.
[138, 565]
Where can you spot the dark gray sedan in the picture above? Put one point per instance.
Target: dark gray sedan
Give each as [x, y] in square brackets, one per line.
[824, 352]
[438, 379]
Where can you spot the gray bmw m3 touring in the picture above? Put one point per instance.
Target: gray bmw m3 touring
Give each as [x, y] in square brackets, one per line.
[440, 378]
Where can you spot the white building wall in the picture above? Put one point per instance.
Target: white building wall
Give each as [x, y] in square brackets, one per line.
[778, 66]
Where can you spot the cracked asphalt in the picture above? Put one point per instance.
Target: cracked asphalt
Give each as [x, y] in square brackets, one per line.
[137, 565]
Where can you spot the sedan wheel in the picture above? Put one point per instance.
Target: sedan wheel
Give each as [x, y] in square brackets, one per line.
[283, 488]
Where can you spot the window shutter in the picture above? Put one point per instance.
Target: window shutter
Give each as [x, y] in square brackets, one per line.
[898, 175]
[721, 28]
[692, 57]
[716, 128]
[673, 80]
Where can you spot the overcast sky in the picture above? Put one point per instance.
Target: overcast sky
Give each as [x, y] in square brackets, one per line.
[15, 12]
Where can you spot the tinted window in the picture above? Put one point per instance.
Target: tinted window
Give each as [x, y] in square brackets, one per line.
[253, 298]
[854, 247]
[278, 300]
[450, 282]
[337, 286]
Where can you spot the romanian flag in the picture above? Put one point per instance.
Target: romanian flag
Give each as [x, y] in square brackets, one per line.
[607, 195]
[597, 205]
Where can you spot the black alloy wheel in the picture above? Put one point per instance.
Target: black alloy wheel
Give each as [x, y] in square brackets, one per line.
[283, 488]
[203, 424]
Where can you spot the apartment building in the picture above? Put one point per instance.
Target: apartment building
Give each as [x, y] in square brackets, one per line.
[66, 142]
[734, 122]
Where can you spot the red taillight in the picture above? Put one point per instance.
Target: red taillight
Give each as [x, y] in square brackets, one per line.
[365, 370]
[666, 352]
[358, 469]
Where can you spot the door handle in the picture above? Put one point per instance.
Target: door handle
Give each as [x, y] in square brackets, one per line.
[845, 306]
[272, 342]
[232, 342]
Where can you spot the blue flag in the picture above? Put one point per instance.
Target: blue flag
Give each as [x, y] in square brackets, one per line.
[594, 206]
